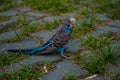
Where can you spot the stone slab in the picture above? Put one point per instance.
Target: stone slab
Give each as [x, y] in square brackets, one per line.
[30, 61]
[29, 18]
[13, 19]
[36, 14]
[9, 35]
[74, 46]
[114, 24]
[104, 30]
[101, 17]
[24, 9]
[72, 14]
[64, 68]
[45, 35]
[9, 13]
[36, 22]
[24, 44]
[52, 18]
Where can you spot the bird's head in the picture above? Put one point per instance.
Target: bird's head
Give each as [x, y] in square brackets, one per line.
[71, 22]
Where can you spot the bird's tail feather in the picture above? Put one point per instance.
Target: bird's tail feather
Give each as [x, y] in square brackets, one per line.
[25, 51]
[33, 50]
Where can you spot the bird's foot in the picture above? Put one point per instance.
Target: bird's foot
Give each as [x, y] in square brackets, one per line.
[65, 57]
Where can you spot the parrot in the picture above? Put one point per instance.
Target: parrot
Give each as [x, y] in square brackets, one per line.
[56, 43]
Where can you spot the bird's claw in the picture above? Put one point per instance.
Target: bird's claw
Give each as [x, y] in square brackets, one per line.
[65, 57]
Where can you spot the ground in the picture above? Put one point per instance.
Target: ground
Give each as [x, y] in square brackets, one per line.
[94, 49]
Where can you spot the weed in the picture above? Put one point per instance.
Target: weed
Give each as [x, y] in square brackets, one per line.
[31, 72]
[26, 73]
[28, 29]
[48, 65]
[109, 54]
[85, 12]
[117, 77]
[83, 27]
[10, 58]
[96, 62]
[8, 4]
[70, 77]
[51, 6]
[4, 18]
[21, 21]
[114, 14]
[94, 66]
[106, 6]
[97, 42]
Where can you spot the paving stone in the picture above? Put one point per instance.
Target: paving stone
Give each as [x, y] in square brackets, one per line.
[85, 9]
[112, 69]
[29, 18]
[9, 35]
[52, 18]
[72, 14]
[63, 68]
[36, 14]
[24, 44]
[104, 30]
[116, 44]
[101, 17]
[30, 61]
[112, 29]
[24, 9]
[73, 46]
[13, 19]
[36, 22]
[114, 24]
[45, 35]
[8, 13]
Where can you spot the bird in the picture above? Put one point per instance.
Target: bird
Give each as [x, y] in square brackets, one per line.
[56, 43]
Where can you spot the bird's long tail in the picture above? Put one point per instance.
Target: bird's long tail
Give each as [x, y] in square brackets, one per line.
[30, 51]
[33, 50]
[25, 51]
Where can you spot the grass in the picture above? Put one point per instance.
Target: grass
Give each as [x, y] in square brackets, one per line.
[7, 4]
[70, 77]
[85, 12]
[26, 73]
[21, 21]
[117, 77]
[109, 54]
[51, 6]
[48, 65]
[32, 72]
[83, 27]
[95, 43]
[28, 29]
[4, 18]
[110, 6]
[94, 66]
[114, 14]
[10, 58]
[96, 62]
